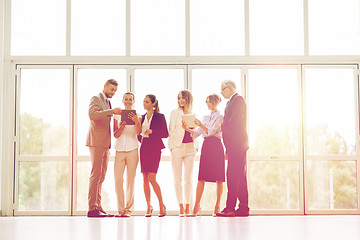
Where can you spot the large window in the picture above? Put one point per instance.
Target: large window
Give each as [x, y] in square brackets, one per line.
[38, 27]
[274, 138]
[183, 28]
[157, 28]
[44, 154]
[98, 29]
[330, 144]
[334, 27]
[276, 27]
[302, 127]
[220, 30]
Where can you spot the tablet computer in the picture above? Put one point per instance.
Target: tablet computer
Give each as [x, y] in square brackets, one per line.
[125, 116]
[189, 120]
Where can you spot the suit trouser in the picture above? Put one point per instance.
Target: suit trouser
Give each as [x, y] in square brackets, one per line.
[99, 161]
[236, 180]
[184, 154]
[130, 160]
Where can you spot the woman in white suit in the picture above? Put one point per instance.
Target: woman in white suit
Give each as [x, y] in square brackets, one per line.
[183, 149]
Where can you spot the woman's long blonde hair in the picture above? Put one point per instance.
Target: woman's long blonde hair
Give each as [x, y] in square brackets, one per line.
[186, 94]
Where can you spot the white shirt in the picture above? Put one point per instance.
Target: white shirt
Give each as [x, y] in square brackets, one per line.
[232, 96]
[128, 139]
[146, 126]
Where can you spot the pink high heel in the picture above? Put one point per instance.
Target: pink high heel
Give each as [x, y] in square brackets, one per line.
[149, 214]
[163, 214]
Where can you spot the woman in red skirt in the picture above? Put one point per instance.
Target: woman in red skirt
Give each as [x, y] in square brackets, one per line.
[212, 161]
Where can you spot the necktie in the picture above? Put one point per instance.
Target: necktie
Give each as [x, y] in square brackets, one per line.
[108, 103]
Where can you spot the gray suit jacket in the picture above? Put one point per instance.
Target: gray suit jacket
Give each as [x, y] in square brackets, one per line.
[99, 134]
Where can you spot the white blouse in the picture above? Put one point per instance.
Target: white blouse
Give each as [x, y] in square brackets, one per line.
[128, 139]
[145, 126]
[212, 122]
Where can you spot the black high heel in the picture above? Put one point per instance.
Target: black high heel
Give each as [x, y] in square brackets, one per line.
[163, 214]
[149, 214]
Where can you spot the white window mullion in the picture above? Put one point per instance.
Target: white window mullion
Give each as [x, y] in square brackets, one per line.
[68, 28]
[306, 28]
[247, 28]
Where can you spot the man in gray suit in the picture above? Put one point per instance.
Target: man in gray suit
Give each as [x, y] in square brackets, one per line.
[99, 141]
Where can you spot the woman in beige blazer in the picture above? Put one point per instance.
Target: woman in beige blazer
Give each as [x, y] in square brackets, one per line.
[183, 149]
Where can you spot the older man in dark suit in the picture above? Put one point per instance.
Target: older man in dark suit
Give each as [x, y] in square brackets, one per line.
[236, 143]
[99, 140]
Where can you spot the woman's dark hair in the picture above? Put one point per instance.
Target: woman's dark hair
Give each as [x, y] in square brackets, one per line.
[154, 100]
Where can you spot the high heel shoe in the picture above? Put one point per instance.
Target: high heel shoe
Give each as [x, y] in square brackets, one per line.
[216, 210]
[149, 214]
[197, 213]
[182, 214]
[163, 214]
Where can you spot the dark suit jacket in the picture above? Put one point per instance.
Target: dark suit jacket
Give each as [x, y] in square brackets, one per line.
[234, 124]
[159, 127]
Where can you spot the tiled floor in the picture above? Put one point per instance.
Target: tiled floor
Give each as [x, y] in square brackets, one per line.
[172, 227]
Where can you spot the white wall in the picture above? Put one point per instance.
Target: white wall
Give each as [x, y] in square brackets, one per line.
[1, 91]
[6, 116]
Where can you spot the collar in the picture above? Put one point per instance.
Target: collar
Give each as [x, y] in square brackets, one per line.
[103, 94]
[215, 113]
[232, 96]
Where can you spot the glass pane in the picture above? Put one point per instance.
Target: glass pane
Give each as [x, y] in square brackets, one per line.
[273, 111]
[90, 83]
[220, 35]
[330, 111]
[334, 27]
[274, 185]
[38, 27]
[157, 28]
[43, 186]
[332, 185]
[276, 27]
[101, 35]
[44, 111]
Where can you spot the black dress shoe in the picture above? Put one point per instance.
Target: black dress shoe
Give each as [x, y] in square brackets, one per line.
[109, 215]
[226, 213]
[241, 213]
[96, 214]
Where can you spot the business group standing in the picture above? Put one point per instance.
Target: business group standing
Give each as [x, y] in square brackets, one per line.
[150, 129]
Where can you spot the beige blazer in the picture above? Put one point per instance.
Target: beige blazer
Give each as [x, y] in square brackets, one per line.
[176, 132]
[99, 134]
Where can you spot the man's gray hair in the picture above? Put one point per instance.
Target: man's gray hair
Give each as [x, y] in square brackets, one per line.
[229, 83]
